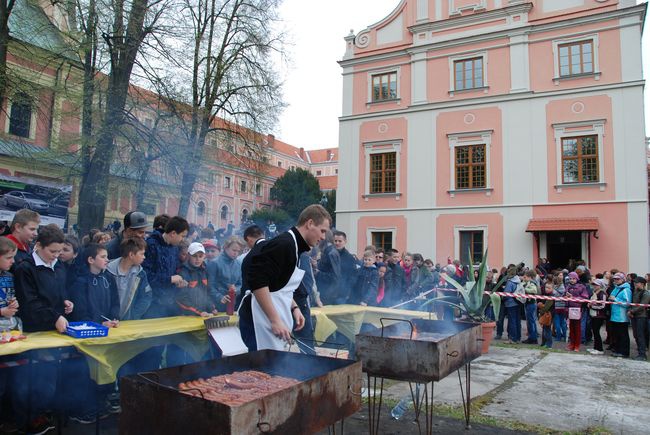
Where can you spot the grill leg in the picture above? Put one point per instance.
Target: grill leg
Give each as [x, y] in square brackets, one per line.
[465, 393]
[374, 406]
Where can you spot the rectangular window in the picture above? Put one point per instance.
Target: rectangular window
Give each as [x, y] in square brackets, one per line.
[336, 171]
[382, 239]
[226, 182]
[580, 159]
[20, 118]
[576, 58]
[468, 73]
[471, 243]
[383, 173]
[319, 173]
[258, 189]
[242, 186]
[279, 164]
[384, 86]
[470, 167]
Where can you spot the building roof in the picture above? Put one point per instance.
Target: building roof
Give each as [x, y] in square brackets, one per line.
[329, 182]
[324, 155]
[29, 23]
[563, 224]
[26, 151]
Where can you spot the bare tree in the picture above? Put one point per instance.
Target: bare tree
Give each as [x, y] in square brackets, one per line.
[231, 73]
[131, 22]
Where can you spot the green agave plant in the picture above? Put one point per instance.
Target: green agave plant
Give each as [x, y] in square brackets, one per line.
[473, 301]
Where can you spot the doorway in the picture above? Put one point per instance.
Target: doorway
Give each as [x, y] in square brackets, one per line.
[563, 246]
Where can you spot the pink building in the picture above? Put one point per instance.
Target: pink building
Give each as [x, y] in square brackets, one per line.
[509, 124]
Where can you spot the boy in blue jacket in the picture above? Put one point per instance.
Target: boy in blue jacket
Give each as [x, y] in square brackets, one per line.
[364, 291]
[133, 286]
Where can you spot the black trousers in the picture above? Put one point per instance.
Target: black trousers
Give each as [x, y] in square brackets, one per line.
[596, 324]
[307, 331]
[621, 338]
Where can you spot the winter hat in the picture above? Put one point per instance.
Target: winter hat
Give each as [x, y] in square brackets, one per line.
[619, 275]
[600, 283]
[574, 276]
[195, 247]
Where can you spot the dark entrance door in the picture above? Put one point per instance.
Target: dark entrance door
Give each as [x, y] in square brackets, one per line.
[563, 246]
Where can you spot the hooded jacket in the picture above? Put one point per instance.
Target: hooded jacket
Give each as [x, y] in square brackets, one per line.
[160, 264]
[195, 298]
[577, 290]
[621, 293]
[365, 286]
[135, 297]
[40, 291]
[95, 296]
[511, 286]
[222, 272]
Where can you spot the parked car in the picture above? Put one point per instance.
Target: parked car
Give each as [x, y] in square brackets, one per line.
[17, 199]
[59, 206]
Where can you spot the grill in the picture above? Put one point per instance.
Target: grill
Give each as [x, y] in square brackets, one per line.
[327, 392]
[418, 351]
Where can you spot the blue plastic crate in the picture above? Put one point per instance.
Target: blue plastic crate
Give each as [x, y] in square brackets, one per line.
[93, 330]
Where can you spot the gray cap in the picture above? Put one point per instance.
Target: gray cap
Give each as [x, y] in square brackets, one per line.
[135, 220]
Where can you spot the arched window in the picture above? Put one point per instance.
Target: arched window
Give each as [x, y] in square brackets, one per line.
[200, 208]
[224, 212]
[244, 215]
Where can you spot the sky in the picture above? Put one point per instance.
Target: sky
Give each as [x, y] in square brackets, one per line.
[313, 82]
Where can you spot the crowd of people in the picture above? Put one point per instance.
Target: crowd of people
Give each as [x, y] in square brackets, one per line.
[170, 268]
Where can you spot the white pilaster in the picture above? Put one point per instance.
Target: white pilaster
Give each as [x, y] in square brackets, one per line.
[631, 68]
[638, 236]
[423, 10]
[438, 9]
[419, 78]
[348, 91]
[519, 64]
[421, 157]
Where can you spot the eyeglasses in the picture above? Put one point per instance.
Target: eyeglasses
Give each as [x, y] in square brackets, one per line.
[379, 256]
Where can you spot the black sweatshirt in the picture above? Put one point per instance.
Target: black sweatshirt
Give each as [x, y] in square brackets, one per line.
[95, 296]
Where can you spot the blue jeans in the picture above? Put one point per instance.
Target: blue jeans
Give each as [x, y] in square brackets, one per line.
[514, 323]
[547, 337]
[500, 320]
[559, 321]
[583, 326]
[531, 321]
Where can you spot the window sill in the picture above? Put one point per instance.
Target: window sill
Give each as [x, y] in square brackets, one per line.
[559, 187]
[484, 89]
[453, 192]
[378, 102]
[595, 75]
[368, 196]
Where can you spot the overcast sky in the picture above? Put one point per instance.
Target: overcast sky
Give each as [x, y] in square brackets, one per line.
[313, 81]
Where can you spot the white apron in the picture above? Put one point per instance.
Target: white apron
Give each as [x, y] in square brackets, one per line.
[282, 302]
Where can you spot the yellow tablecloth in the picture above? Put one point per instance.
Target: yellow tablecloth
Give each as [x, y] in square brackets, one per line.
[347, 319]
[107, 354]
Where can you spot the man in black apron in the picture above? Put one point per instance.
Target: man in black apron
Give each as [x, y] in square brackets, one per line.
[271, 270]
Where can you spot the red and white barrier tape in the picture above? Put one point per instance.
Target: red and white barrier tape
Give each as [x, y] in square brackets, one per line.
[553, 298]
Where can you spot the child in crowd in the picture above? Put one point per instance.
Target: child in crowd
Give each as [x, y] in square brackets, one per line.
[68, 257]
[195, 298]
[8, 308]
[95, 293]
[23, 230]
[101, 238]
[577, 290]
[531, 289]
[546, 316]
[561, 309]
[381, 285]
[41, 291]
[183, 256]
[131, 280]
[597, 313]
[96, 299]
[364, 291]
[212, 250]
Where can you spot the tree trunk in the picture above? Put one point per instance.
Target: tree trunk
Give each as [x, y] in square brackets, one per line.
[5, 11]
[141, 187]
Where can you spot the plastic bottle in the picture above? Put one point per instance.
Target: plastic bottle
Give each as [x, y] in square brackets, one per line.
[398, 411]
[230, 307]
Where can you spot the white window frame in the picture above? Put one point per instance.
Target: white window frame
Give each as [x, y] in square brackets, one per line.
[479, 5]
[244, 184]
[556, 60]
[467, 56]
[382, 147]
[259, 189]
[370, 230]
[398, 72]
[577, 129]
[466, 139]
[32, 122]
[457, 231]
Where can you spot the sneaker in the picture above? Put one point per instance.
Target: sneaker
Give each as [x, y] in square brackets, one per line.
[112, 407]
[641, 358]
[595, 352]
[617, 355]
[40, 425]
[577, 349]
[90, 418]
[569, 348]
